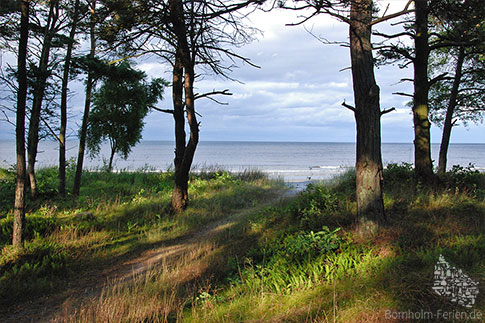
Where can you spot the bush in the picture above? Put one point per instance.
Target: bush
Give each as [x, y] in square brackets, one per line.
[315, 204]
[465, 179]
[398, 174]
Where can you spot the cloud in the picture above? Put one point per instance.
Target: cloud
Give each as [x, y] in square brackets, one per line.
[295, 95]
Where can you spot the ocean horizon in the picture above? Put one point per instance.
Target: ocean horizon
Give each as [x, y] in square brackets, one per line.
[291, 161]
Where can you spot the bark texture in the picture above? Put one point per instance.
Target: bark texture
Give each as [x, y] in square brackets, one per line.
[448, 123]
[19, 206]
[183, 97]
[422, 142]
[370, 207]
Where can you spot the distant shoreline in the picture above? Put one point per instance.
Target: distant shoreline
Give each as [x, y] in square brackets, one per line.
[268, 142]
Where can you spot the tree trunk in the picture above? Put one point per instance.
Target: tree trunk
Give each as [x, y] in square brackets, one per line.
[111, 157]
[185, 60]
[422, 142]
[19, 206]
[87, 105]
[180, 190]
[39, 90]
[370, 206]
[448, 124]
[65, 82]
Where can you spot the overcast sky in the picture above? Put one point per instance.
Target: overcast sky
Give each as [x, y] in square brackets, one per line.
[296, 95]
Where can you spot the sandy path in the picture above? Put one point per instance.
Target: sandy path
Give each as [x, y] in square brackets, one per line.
[91, 285]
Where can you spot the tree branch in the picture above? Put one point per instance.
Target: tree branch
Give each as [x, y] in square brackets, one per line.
[404, 94]
[387, 110]
[53, 133]
[438, 78]
[406, 10]
[348, 106]
[7, 119]
[208, 94]
[161, 110]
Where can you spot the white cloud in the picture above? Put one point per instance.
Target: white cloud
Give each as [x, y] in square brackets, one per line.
[297, 93]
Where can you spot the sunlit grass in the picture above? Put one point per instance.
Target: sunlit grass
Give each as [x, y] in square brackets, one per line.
[117, 216]
[291, 260]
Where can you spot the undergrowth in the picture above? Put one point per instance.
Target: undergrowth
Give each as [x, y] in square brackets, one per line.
[296, 260]
[116, 215]
[306, 266]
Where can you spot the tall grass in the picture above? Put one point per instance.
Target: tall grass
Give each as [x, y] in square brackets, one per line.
[303, 269]
[116, 217]
[294, 260]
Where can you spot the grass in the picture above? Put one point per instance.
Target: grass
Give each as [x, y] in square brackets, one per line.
[294, 260]
[117, 216]
[306, 266]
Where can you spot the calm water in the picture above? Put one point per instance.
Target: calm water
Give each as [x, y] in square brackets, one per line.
[292, 161]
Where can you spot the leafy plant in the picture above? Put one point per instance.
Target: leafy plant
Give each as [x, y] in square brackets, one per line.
[304, 246]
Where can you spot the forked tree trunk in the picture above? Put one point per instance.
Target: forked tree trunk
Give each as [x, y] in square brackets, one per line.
[180, 190]
[19, 206]
[184, 66]
[65, 82]
[422, 142]
[39, 90]
[370, 206]
[448, 124]
[87, 105]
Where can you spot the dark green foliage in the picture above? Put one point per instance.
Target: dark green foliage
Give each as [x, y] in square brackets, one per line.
[33, 273]
[465, 179]
[119, 107]
[8, 27]
[314, 205]
[35, 226]
[399, 176]
[7, 189]
[304, 246]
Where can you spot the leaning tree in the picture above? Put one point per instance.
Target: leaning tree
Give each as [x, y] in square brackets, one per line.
[460, 96]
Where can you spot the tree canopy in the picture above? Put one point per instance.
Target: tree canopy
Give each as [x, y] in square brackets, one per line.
[119, 107]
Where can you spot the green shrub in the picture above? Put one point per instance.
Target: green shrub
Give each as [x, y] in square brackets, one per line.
[398, 174]
[315, 204]
[308, 245]
[464, 179]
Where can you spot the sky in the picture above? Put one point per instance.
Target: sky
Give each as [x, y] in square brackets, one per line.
[295, 95]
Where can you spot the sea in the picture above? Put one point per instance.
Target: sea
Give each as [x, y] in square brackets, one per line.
[289, 161]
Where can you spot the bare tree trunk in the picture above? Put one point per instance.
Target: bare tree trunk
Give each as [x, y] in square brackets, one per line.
[180, 190]
[370, 207]
[422, 142]
[87, 105]
[182, 167]
[19, 206]
[39, 90]
[448, 124]
[65, 82]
